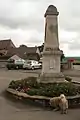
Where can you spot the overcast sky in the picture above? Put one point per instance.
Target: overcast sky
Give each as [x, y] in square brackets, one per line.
[23, 22]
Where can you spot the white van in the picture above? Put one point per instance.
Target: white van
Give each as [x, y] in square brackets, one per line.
[32, 64]
[15, 64]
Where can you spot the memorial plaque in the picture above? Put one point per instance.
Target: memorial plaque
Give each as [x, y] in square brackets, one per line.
[52, 64]
[48, 49]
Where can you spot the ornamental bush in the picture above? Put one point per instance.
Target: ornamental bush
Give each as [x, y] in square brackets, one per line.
[32, 87]
[52, 90]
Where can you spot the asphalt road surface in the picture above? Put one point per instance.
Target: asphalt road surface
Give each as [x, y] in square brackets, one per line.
[11, 110]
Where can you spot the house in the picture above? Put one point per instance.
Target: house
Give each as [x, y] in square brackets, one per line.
[8, 50]
[14, 57]
[24, 53]
[6, 44]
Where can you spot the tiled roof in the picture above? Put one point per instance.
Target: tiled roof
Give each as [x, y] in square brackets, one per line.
[6, 44]
[22, 52]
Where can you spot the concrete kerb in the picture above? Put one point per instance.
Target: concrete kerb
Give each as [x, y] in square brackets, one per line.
[38, 100]
[21, 94]
[74, 101]
[76, 83]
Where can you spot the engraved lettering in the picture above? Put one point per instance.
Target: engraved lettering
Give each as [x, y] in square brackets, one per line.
[48, 49]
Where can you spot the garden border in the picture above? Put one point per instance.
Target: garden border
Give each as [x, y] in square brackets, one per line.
[74, 101]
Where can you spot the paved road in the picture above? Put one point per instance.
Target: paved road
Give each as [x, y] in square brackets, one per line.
[11, 110]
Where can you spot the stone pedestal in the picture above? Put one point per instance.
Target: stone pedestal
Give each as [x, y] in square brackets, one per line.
[51, 53]
[52, 78]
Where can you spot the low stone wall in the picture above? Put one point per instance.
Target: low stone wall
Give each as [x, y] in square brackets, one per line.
[74, 101]
[76, 67]
[21, 94]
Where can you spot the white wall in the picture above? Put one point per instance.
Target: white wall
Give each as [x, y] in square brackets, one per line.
[15, 57]
[76, 67]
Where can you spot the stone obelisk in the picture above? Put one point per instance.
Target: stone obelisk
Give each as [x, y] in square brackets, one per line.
[51, 53]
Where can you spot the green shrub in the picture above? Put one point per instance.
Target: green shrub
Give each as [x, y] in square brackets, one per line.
[55, 90]
[27, 82]
[32, 87]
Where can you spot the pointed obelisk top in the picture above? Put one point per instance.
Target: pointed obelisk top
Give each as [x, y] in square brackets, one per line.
[51, 10]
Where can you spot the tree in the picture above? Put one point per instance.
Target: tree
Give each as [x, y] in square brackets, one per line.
[22, 46]
[41, 47]
[62, 56]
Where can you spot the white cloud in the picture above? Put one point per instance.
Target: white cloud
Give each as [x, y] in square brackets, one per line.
[23, 22]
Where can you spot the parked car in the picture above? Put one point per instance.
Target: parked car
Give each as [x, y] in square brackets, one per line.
[32, 64]
[15, 64]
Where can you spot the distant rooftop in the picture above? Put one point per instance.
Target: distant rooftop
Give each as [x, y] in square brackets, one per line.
[6, 44]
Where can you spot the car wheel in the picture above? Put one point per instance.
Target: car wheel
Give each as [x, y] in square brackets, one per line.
[9, 68]
[40, 66]
[32, 67]
[24, 68]
[17, 67]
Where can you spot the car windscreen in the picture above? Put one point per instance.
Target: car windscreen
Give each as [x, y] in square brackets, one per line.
[10, 61]
[28, 62]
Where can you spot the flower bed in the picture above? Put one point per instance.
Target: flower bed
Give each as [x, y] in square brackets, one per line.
[32, 87]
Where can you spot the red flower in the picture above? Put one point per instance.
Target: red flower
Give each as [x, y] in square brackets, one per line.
[26, 88]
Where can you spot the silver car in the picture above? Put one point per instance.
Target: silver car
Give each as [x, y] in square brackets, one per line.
[32, 64]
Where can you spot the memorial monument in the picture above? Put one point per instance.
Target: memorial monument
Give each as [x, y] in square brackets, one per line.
[51, 53]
